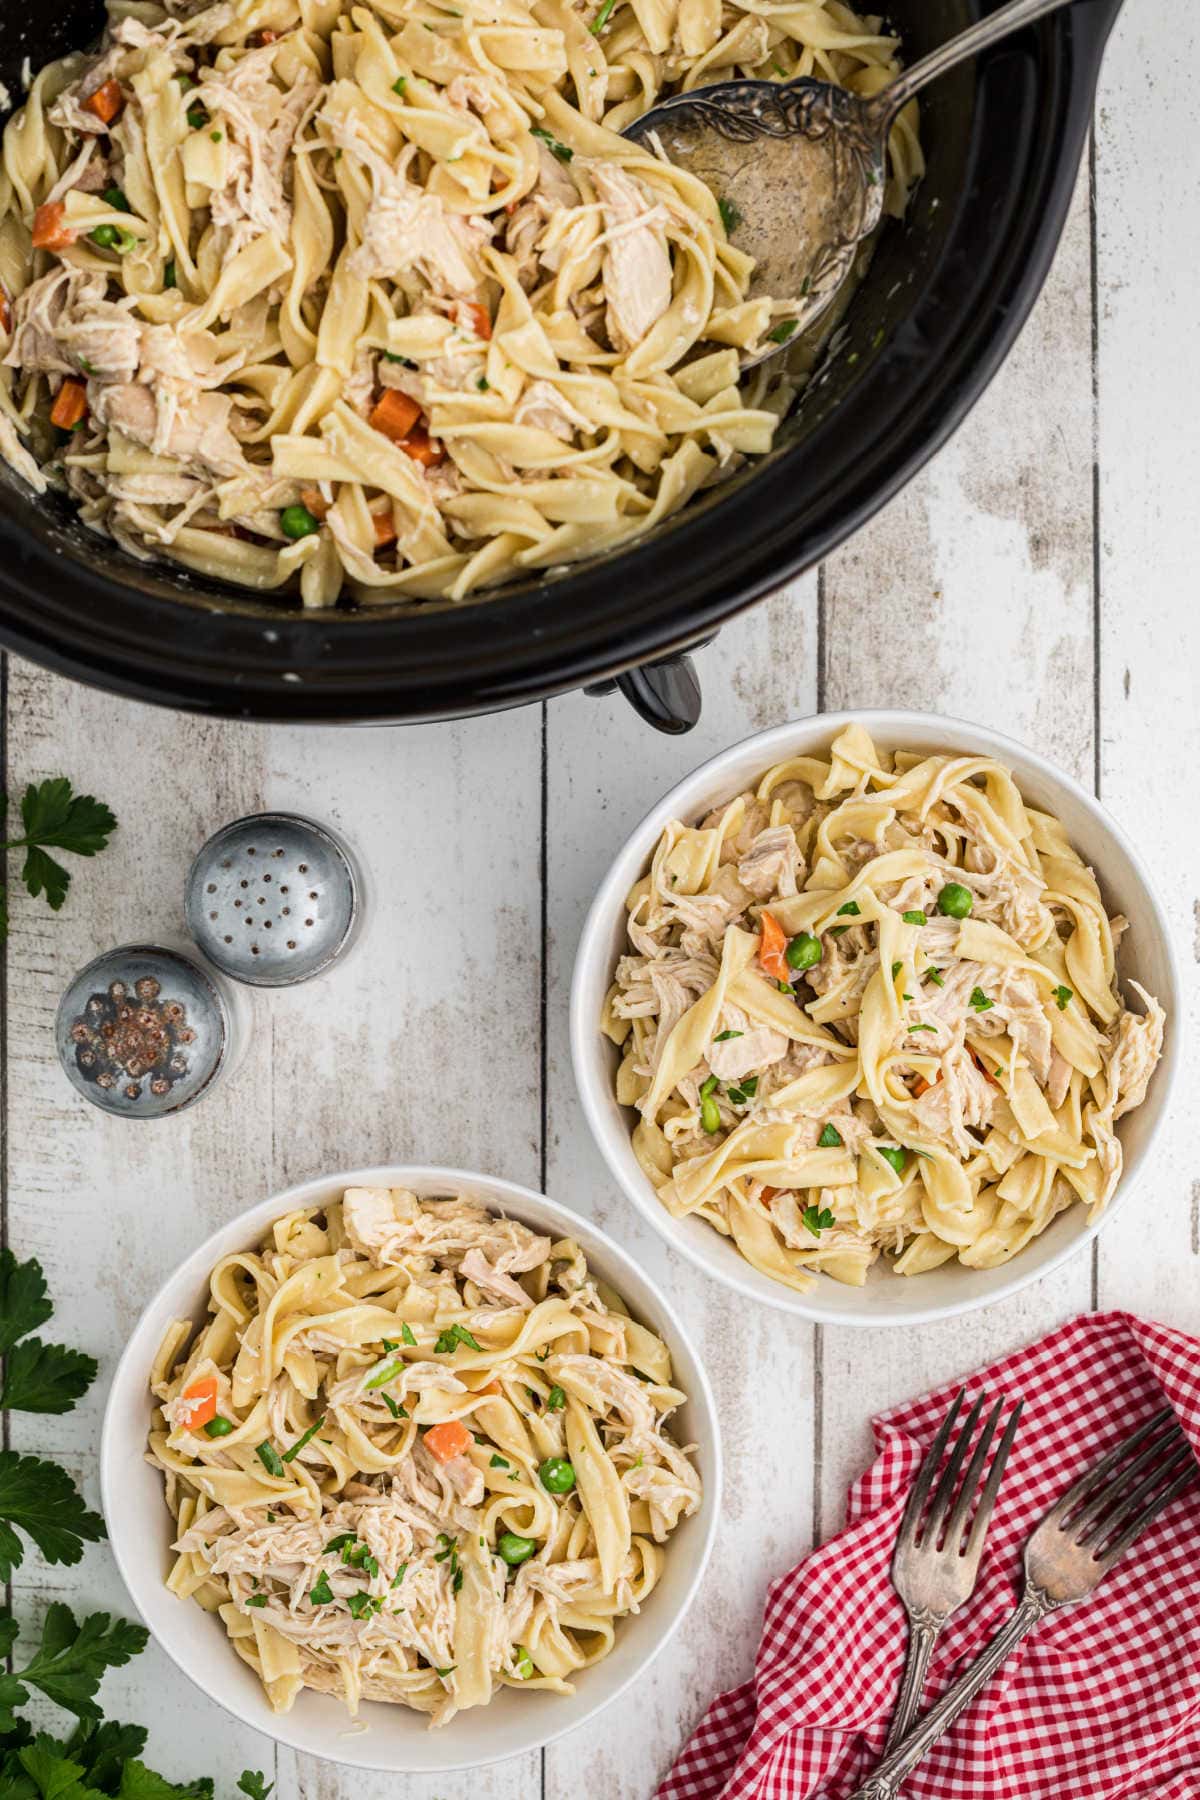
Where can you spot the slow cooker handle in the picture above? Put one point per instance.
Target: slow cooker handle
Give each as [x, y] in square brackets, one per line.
[665, 693]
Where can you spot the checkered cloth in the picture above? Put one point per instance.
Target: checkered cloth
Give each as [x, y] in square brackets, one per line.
[1103, 1699]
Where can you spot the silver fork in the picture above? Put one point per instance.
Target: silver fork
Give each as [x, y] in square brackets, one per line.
[934, 1570]
[1068, 1555]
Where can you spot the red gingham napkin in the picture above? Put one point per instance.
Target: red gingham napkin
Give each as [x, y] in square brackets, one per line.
[1103, 1699]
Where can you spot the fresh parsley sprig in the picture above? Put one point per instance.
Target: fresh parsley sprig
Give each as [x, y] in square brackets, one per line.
[55, 817]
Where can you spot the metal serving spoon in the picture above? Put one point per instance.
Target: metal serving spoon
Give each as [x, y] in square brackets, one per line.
[799, 166]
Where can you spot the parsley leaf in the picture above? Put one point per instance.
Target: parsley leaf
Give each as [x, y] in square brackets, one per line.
[72, 1659]
[723, 1037]
[320, 1593]
[818, 1219]
[731, 216]
[602, 17]
[555, 1400]
[830, 1139]
[45, 1378]
[935, 975]
[979, 1001]
[561, 151]
[406, 1334]
[252, 1782]
[43, 1500]
[301, 1441]
[914, 918]
[54, 815]
[452, 1337]
[24, 1301]
[1062, 995]
[783, 331]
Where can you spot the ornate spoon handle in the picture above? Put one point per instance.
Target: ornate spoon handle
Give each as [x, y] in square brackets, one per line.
[884, 1783]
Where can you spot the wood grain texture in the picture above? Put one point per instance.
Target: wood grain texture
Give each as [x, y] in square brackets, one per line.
[1038, 577]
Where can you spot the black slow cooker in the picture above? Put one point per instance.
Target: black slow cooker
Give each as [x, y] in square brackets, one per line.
[946, 294]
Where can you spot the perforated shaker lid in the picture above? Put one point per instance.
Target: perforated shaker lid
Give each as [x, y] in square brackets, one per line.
[272, 899]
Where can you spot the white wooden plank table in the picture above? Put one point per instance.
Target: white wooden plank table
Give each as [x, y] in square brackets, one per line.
[1040, 576]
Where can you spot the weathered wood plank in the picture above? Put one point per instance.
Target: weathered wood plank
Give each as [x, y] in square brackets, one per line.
[1149, 475]
[604, 772]
[971, 595]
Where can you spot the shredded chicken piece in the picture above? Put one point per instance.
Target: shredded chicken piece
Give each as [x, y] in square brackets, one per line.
[637, 264]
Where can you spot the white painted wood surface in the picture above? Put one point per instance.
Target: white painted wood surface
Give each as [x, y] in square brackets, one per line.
[1040, 576]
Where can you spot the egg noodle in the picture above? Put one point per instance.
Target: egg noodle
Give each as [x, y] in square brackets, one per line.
[417, 1454]
[373, 298]
[872, 1005]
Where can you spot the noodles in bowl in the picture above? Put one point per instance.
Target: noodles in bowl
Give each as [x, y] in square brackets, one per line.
[870, 1013]
[376, 300]
[417, 1454]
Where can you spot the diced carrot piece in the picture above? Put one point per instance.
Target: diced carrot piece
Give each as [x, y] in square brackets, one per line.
[767, 1194]
[315, 501]
[510, 207]
[772, 946]
[70, 405]
[921, 1086]
[447, 1441]
[199, 1404]
[479, 317]
[50, 231]
[395, 415]
[385, 529]
[421, 447]
[983, 1070]
[268, 37]
[106, 102]
[493, 1387]
[5, 309]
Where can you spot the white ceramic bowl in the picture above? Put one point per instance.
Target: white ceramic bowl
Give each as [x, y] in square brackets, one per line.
[397, 1740]
[1146, 954]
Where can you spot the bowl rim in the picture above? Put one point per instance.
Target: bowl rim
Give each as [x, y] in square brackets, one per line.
[682, 801]
[130, 1377]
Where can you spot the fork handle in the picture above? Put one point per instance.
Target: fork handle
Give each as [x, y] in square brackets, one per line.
[924, 1629]
[899, 1763]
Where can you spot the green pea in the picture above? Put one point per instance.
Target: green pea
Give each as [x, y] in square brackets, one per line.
[298, 522]
[197, 117]
[892, 1155]
[955, 900]
[709, 1086]
[170, 278]
[557, 1475]
[106, 236]
[219, 1427]
[804, 952]
[515, 1549]
[115, 197]
[710, 1114]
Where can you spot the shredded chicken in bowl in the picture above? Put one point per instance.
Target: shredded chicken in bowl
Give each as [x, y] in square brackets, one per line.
[377, 300]
[417, 1454]
[871, 1008]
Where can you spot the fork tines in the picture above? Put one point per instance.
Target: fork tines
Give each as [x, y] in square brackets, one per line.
[940, 1524]
[1114, 1500]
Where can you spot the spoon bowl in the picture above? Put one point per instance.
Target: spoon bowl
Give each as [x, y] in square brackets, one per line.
[799, 167]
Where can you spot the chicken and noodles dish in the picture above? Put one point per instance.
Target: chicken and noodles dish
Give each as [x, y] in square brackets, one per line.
[373, 299]
[418, 1453]
[871, 1007]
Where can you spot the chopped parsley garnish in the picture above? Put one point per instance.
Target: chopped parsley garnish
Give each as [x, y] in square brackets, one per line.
[602, 17]
[338, 1542]
[562, 151]
[300, 1442]
[256, 1600]
[382, 1376]
[522, 1661]
[406, 1334]
[896, 968]
[935, 975]
[270, 1459]
[914, 918]
[723, 1037]
[1061, 997]
[483, 384]
[320, 1593]
[830, 1139]
[197, 118]
[448, 1670]
[398, 1577]
[783, 331]
[406, 362]
[499, 1462]
[817, 1219]
[363, 1605]
[838, 930]
[891, 1154]
[979, 1001]
[555, 1400]
[399, 85]
[731, 216]
[911, 1028]
[358, 1556]
[452, 1337]
[397, 1412]
[851, 906]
